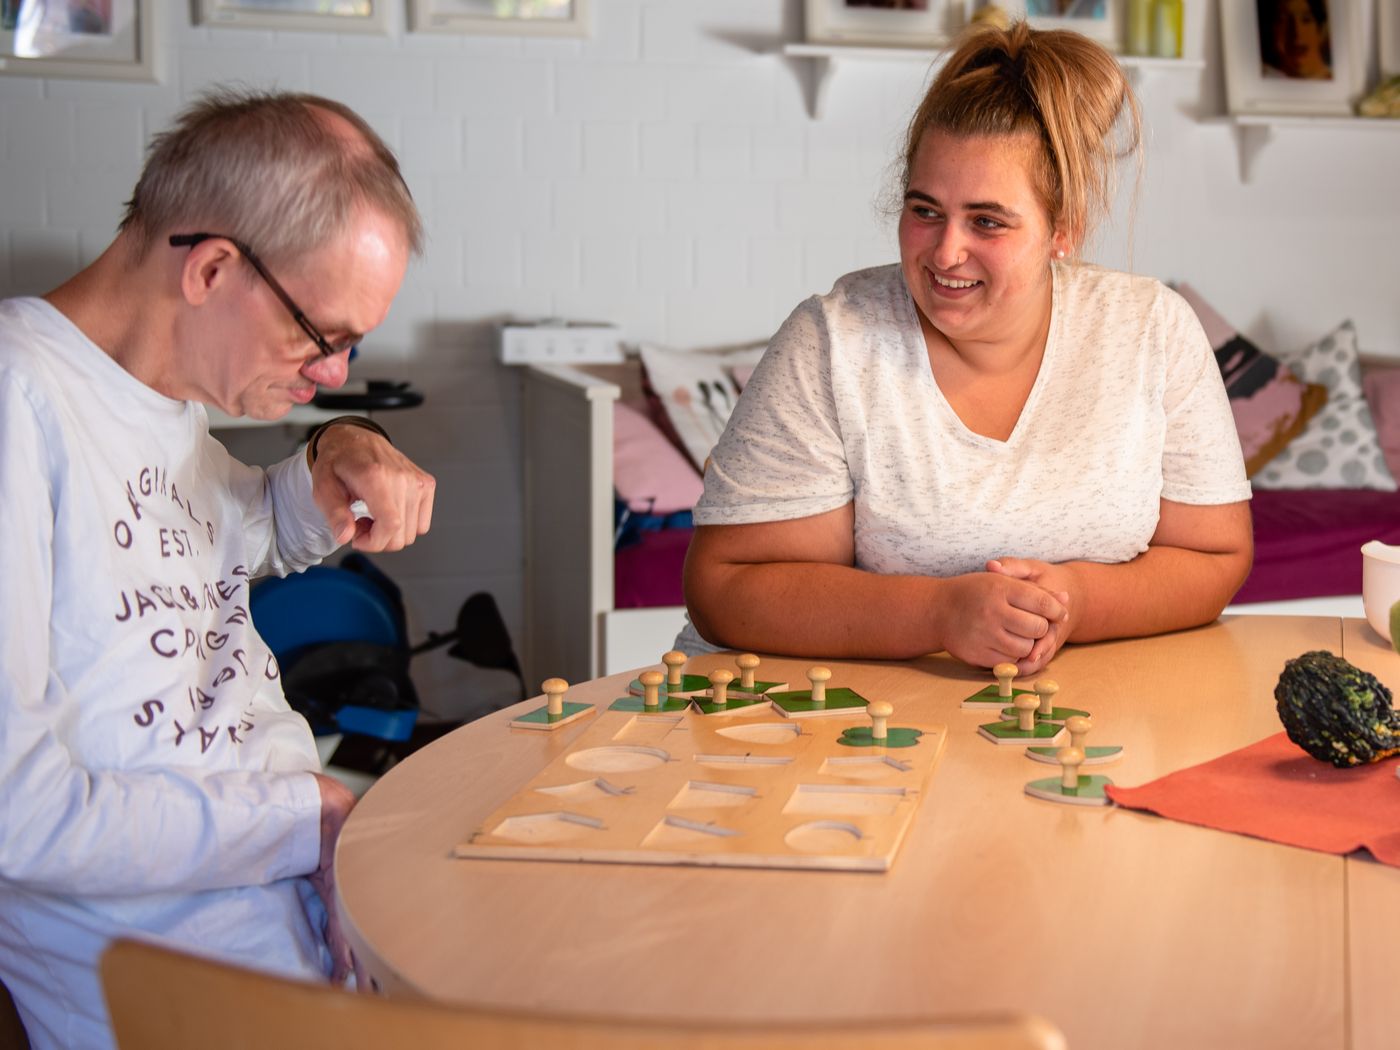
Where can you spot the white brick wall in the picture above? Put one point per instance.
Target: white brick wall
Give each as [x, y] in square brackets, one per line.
[664, 175]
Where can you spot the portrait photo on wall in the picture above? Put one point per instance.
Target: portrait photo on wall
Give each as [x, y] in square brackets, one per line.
[1099, 19]
[1293, 57]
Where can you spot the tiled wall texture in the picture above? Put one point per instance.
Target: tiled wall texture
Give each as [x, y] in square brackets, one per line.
[665, 174]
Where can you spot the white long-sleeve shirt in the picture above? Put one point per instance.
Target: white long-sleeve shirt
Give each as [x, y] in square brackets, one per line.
[152, 777]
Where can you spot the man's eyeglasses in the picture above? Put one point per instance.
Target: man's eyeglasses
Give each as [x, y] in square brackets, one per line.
[328, 349]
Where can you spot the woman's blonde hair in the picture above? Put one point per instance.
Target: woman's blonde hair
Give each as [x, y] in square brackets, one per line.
[275, 170]
[1058, 86]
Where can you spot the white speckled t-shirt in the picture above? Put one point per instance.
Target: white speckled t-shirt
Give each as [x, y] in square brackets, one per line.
[1128, 409]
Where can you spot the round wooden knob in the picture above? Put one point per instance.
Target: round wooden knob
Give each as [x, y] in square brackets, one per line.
[1026, 706]
[819, 676]
[748, 664]
[719, 685]
[554, 690]
[1078, 727]
[879, 712]
[1005, 675]
[1071, 758]
[1046, 688]
[651, 687]
[674, 661]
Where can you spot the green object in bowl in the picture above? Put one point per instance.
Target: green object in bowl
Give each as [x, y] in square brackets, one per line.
[1395, 627]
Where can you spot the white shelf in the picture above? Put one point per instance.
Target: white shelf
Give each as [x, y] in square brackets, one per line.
[1254, 131]
[822, 60]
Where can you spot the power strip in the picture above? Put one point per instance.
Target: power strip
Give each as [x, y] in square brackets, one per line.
[560, 343]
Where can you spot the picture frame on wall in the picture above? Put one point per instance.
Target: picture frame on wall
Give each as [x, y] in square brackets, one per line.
[1100, 20]
[85, 39]
[1388, 34]
[563, 18]
[900, 23]
[1292, 57]
[325, 16]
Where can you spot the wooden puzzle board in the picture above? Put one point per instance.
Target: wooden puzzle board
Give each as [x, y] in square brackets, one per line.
[748, 790]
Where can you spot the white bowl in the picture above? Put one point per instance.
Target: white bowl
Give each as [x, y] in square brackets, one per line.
[1380, 584]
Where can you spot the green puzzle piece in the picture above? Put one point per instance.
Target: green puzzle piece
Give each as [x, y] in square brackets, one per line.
[709, 707]
[860, 736]
[637, 703]
[801, 700]
[1057, 714]
[1089, 787]
[992, 694]
[1013, 730]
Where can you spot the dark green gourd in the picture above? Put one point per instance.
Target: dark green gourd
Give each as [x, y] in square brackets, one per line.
[1335, 711]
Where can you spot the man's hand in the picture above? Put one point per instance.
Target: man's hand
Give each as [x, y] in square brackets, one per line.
[991, 618]
[353, 463]
[1058, 580]
[336, 803]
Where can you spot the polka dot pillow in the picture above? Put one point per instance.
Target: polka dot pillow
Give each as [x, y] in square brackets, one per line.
[1339, 448]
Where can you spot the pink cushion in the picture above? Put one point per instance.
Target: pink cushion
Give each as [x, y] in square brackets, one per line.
[1270, 405]
[650, 474]
[1383, 395]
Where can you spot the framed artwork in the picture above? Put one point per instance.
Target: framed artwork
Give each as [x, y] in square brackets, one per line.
[1100, 20]
[326, 16]
[884, 23]
[1292, 57]
[501, 17]
[90, 39]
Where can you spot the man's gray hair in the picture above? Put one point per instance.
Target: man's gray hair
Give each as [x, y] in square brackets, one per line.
[281, 172]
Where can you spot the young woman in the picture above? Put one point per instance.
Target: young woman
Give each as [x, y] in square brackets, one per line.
[989, 449]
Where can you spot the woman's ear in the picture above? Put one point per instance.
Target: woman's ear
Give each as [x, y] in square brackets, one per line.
[1061, 244]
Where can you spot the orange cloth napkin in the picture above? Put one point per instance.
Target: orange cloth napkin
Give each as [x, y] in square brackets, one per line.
[1275, 790]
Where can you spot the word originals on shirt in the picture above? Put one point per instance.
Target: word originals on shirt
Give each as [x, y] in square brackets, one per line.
[155, 482]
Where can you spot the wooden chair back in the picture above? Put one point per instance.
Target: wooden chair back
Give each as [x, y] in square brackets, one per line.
[161, 999]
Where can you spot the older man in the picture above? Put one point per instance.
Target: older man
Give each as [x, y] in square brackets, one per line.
[152, 778]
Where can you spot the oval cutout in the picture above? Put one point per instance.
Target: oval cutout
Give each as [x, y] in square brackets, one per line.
[823, 836]
[763, 733]
[619, 759]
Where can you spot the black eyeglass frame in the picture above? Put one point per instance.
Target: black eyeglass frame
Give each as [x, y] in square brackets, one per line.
[189, 240]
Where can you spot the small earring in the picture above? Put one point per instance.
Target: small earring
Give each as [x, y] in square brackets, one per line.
[1060, 254]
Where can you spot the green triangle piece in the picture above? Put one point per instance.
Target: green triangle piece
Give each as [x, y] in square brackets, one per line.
[1092, 754]
[860, 736]
[990, 696]
[637, 703]
[1057, 714]
[801, 700]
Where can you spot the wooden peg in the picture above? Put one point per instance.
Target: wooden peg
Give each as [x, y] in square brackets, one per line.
[1071, 758]
[819, 676]
[748, 664]
[1026, 705]
[554, 690]
[879, 712]
[1046, 688]
[1006, 674]
[1078, 727]
[651, 689]
[719, 683]
[674, 661]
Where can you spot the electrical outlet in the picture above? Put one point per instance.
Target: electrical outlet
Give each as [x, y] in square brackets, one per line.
[560, 343]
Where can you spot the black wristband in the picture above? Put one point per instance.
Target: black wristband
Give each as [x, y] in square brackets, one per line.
[353, 421]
